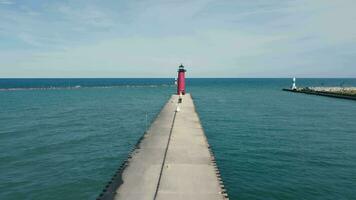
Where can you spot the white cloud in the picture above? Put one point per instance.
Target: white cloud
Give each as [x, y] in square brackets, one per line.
[89, 15]
[235, 38]
[7, 2]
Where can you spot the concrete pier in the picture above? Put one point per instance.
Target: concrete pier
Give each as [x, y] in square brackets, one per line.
[172, 161]
[335, 94]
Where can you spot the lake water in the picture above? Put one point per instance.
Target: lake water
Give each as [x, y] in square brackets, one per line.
[64, 138]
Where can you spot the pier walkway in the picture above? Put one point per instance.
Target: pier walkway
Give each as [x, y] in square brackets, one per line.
[172, 161]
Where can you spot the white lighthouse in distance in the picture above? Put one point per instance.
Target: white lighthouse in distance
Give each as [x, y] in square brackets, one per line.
[294, 86]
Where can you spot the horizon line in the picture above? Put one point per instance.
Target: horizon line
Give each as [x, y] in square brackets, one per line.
[175, 77]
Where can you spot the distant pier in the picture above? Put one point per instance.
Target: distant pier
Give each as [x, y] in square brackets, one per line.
[334, 92]
[172, 161]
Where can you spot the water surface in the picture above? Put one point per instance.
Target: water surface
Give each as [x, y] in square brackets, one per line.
[64, 138]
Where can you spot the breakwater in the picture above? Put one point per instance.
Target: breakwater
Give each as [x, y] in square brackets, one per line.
[328, 92]
[172, 160]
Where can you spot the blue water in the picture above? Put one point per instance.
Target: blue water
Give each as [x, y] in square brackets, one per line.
[61, 141]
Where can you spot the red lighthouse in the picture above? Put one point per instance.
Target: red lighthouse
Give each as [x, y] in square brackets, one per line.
[181, 80]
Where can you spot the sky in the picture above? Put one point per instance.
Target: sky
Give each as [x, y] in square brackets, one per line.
[151, 38]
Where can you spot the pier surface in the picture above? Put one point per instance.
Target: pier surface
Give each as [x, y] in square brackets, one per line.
[172, 161]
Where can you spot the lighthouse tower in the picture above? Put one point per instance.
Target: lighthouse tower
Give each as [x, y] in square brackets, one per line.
[294, 86]
[181, 80]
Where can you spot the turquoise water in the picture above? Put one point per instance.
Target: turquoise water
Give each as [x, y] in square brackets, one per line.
[66, 142]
